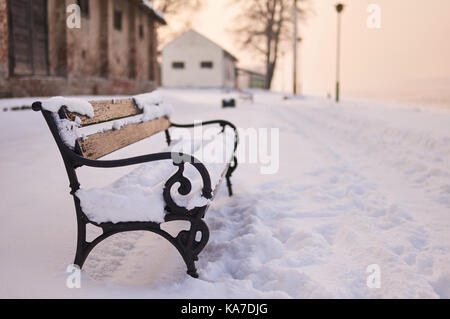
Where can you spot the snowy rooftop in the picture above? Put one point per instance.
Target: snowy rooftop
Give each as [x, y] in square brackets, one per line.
[158, 14]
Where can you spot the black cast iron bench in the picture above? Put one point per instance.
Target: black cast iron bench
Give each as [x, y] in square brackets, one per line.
[88, 150]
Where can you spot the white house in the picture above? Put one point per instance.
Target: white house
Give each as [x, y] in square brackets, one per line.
[192, 60]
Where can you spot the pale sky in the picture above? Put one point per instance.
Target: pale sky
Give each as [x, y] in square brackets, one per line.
[407, 58]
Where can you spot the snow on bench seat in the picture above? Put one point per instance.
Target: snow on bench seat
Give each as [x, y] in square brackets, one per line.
[138, 196]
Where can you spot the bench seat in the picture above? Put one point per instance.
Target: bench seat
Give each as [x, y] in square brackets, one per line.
[138, 196]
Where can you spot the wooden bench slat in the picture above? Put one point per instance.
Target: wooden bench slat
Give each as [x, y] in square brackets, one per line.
[104, 143]
[107, 111]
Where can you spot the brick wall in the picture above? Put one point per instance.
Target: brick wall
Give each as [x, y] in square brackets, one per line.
[57, 36]
[96, 59]
[4, 51]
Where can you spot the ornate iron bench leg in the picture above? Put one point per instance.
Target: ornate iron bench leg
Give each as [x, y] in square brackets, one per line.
[80, 255]
[230, 171]
[192, 271]
[187, 239]
[190, 247]
[168, 138]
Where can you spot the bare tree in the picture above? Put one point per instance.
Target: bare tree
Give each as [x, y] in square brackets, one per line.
[263, 25]
[173, 7]
[179, 14]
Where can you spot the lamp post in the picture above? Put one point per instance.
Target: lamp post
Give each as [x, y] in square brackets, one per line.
[339, 9]
[299, 69]
[295, 46]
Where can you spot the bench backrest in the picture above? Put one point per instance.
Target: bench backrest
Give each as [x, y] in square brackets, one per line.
[105, 142]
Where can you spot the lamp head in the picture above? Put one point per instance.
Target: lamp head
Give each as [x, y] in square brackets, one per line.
[339, 7]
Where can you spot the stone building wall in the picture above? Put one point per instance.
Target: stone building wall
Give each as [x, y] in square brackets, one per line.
[4, 49]
[96, 59]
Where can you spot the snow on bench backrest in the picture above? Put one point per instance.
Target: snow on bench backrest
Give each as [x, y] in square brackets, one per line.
[130, 120]
[105, 111]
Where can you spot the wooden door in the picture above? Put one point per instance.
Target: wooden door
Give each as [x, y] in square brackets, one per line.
[28, 37]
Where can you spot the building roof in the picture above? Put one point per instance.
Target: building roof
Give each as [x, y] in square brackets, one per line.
[227, 53]
[158, 15]
[251, 72]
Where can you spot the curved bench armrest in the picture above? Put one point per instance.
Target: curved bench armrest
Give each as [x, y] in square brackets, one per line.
[222, 123]
[177, 158]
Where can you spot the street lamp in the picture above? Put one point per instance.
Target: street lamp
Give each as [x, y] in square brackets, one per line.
[339, 9]
[294, 90]
[298, 78]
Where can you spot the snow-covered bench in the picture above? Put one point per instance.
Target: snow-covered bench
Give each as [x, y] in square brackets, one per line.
[168, 186]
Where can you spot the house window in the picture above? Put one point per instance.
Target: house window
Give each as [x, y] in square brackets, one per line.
[141, 31]
[118, 20]
[178, 65]
[206, 65]
[84, 6]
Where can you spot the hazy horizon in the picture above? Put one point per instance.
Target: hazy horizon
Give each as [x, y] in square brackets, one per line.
[406, 59]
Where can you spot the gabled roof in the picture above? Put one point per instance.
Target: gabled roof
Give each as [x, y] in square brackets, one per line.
[227, 53]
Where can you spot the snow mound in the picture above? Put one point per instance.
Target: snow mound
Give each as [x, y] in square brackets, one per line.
[153, 106]
[74, 105]
[69, 131]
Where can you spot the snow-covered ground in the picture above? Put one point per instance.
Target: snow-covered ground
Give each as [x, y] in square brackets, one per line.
[359, 183]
